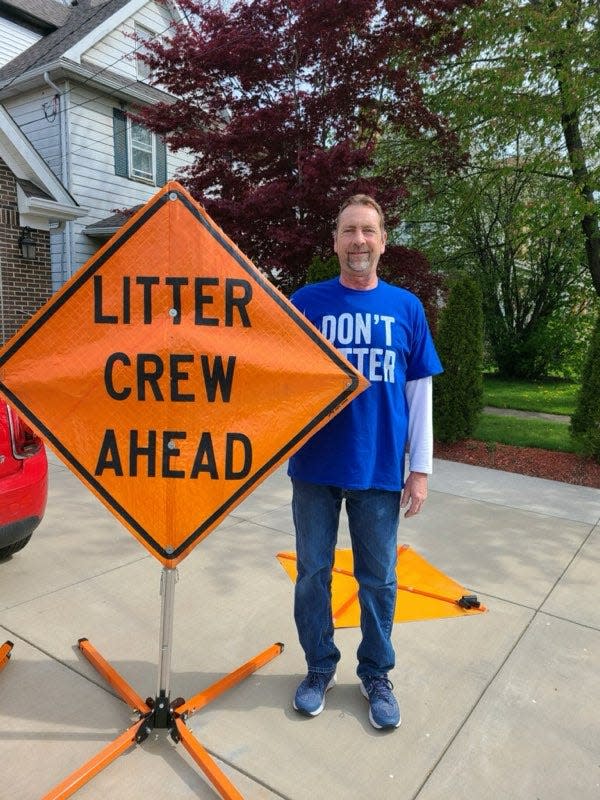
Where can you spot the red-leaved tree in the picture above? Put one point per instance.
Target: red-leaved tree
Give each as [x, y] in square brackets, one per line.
[283, 102]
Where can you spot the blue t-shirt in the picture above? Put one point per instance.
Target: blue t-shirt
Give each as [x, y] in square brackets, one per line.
[383, 332]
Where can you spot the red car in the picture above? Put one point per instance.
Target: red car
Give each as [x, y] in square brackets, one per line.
[23, 481]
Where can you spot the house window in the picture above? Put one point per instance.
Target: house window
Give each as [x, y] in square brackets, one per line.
[142, 69]
[139, 154]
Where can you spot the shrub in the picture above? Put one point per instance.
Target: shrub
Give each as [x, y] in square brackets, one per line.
[551, 346]
[458, 391]
[322, 269]
[585, 422]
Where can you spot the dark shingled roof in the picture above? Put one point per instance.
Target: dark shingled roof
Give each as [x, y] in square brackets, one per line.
[46, 14]
[31, 190]
[109, 225]
[81, 20]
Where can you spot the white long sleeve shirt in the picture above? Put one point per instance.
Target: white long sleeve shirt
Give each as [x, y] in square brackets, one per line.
[419, 396]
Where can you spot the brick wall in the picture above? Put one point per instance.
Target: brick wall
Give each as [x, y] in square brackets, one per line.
[24, 285]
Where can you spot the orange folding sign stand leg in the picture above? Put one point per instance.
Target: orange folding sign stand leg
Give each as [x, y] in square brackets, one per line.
[159, 712]
[5, 654]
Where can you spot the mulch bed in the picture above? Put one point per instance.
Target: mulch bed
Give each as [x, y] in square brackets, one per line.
[555, 466]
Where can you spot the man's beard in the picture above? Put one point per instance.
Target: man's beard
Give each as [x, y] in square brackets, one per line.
[358, 262]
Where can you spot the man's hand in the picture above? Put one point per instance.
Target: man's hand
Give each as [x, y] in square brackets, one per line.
[414, 493]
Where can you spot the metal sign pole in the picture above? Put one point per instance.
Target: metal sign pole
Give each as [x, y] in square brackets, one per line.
[168, 579]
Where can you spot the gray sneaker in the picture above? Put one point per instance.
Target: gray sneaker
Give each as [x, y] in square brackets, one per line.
[310, 695]
[383, 708]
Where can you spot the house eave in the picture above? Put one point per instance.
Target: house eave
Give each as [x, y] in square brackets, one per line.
[111, 83]
[46, 197]
[38, 212]
[101, 233]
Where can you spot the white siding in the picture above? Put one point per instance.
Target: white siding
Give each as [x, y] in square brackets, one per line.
[115, 51]
[78, 145]
[14, 40]
[93, 181]
[59, 256]
[34, 113]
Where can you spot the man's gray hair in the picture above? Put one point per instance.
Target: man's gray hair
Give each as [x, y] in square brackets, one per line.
[361, 200]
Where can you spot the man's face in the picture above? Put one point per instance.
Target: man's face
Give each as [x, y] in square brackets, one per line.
[359, 241]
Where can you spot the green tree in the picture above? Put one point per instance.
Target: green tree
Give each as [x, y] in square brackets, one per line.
[585, 422]
[283, 102]
[510, 233]
[521, 210]
[529, 81]
[322, 269]
[458, 391]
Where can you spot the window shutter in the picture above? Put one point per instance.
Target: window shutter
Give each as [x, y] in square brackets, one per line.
[120, 142]
[161, 162]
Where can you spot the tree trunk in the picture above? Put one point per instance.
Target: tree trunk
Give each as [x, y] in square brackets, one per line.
[589, 222]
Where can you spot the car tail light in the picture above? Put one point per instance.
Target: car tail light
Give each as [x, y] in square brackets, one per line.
[24, 441]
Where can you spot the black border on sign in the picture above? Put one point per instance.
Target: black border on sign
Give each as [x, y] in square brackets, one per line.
[267, 287]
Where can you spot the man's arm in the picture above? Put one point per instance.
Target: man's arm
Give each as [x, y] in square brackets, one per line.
[419, 396]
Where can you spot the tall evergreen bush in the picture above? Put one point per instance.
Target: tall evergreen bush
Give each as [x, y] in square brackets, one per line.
[585, 422]
[322, 269]
[458, 391]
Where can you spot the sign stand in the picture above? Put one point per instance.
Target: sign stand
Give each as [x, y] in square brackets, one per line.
[160, 712]
[5, 653]
[176, 378]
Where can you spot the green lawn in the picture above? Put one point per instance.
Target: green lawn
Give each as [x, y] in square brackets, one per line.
[524, 433]
[550, 395]
[547, 395]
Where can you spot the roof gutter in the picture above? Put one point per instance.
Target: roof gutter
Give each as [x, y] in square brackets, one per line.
[63, 69]
[65, 147]
[50, 84]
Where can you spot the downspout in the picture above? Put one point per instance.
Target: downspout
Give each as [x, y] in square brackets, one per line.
[67, 235]
[2, 326]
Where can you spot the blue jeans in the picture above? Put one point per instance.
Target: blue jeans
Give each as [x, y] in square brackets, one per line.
[373, 516]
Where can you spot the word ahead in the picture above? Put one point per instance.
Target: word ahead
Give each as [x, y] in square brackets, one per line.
[154, 455]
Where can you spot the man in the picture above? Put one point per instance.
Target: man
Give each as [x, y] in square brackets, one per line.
[359, 457]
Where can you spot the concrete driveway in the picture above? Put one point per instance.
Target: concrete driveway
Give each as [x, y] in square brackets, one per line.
[500, 705]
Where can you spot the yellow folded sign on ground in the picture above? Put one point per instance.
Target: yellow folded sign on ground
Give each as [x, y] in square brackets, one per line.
[423, 591]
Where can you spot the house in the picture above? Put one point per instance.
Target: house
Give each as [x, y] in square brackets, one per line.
[32, 201]
[68, 76]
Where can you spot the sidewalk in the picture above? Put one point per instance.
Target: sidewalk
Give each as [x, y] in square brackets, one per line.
[501, 706]
[514, 412]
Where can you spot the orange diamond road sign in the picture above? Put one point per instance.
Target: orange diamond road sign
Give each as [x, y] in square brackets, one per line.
[171, 376]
